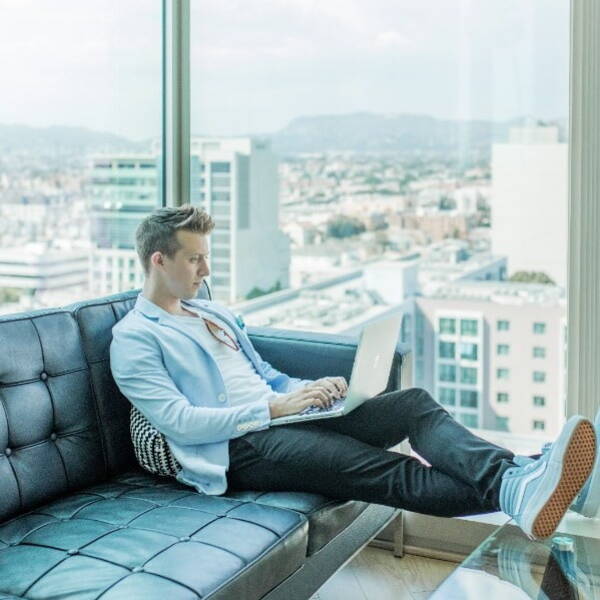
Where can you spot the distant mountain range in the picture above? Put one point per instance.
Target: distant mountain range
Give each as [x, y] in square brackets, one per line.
[358, 132]
[368, 132]
[63, 139]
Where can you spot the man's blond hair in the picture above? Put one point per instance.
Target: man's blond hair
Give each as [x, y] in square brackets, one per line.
[157, 231]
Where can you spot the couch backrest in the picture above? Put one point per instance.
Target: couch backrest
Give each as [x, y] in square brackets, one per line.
[96, 318]
[50, 438]
[64, 424]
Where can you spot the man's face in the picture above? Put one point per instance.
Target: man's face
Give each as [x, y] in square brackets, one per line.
[183, 275]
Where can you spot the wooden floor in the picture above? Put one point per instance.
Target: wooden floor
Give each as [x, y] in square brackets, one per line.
[376, 574]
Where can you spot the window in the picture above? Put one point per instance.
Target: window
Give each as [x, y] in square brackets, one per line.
[220, 210]
[502, 349]
[468, 327]
[220, 253]
[219, 281]
[502, 398]
[502, 373]
[539, 328]
[539, 352]
[539, 425]
[419, 369]
[468, 375]
[447, 372]
[468, 398]
[220, 181]
[218, 237]
[539, 376]
[219, 167]
[539, 401]
[221, 196]
[446, 349]
[468, 351]
[502, 423]
[448, 326]
[502, 325]
[420, 346]
[468, 420]
[447, 396]
[87, 95]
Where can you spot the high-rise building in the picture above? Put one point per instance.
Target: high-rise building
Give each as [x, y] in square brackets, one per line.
[494, 353]
[529, 202]
[234, 179]
[122, 190]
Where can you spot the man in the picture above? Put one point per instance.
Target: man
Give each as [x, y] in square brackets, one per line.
[189, 367]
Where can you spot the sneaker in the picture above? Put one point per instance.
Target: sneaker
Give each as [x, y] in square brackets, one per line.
[538, 494]
[587, 502]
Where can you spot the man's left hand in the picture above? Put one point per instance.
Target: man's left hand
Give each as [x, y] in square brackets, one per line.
[335, 387]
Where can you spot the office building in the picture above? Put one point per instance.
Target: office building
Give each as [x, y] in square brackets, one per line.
[529, 202]
[494, 354]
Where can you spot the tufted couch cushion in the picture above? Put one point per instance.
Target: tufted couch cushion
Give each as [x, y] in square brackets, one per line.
[50, 438]
[326, 517]
[139, 536]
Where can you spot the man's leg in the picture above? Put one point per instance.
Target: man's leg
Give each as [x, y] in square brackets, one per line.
[388, 419]
[314, 459]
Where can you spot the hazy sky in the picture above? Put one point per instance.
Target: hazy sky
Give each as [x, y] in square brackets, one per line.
[257, 64]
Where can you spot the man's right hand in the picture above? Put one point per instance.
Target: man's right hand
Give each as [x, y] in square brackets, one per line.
[295, 402]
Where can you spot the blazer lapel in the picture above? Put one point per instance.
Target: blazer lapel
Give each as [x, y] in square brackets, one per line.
[240, 335]
[164, 318]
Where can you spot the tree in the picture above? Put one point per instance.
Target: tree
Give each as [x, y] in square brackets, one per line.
[343, 226]
[531, 277]
[255, 292]
[9, 295]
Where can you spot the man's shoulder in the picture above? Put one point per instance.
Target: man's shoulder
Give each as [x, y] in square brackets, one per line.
[132, 322]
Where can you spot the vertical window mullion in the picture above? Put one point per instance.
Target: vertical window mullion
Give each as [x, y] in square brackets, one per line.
[176, 102]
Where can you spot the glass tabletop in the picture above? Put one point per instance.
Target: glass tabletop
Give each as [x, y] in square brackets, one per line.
[509, 566]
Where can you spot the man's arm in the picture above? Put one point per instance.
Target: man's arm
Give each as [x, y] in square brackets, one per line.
[137, 367]
[284, 382]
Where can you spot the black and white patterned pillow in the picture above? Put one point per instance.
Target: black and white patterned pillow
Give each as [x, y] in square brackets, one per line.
[150, 446]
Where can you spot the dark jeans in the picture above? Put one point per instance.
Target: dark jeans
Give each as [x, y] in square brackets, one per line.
[347, 458]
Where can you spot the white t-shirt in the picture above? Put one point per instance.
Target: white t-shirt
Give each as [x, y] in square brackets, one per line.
[242, 381]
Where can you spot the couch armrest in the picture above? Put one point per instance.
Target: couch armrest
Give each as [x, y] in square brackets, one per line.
[311, 355]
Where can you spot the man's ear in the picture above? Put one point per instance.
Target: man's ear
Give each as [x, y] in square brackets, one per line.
[156, 258]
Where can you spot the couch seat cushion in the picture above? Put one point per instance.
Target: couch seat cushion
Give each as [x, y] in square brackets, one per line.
[326, 517]
[140, 536]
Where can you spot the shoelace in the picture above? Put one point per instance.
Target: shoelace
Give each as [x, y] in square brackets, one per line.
[526, 468]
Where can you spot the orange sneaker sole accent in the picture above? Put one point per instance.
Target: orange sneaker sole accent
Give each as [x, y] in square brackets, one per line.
[577, 466]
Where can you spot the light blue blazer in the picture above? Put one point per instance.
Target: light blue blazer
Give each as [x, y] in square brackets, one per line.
[172, 379]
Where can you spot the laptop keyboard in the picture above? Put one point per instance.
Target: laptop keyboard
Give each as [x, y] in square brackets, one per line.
[309, 410]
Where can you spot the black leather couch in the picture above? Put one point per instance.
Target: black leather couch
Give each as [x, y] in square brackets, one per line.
[79, 519]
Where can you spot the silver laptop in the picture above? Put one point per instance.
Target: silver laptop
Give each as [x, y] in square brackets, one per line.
[370, 371]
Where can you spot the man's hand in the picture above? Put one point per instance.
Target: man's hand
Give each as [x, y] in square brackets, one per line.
[295, 402]
[321, 392]
[334, 387]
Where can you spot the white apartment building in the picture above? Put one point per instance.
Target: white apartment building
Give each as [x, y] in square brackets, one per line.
[43, 276]
[494, 354]
[234, 179]
[529, 202]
